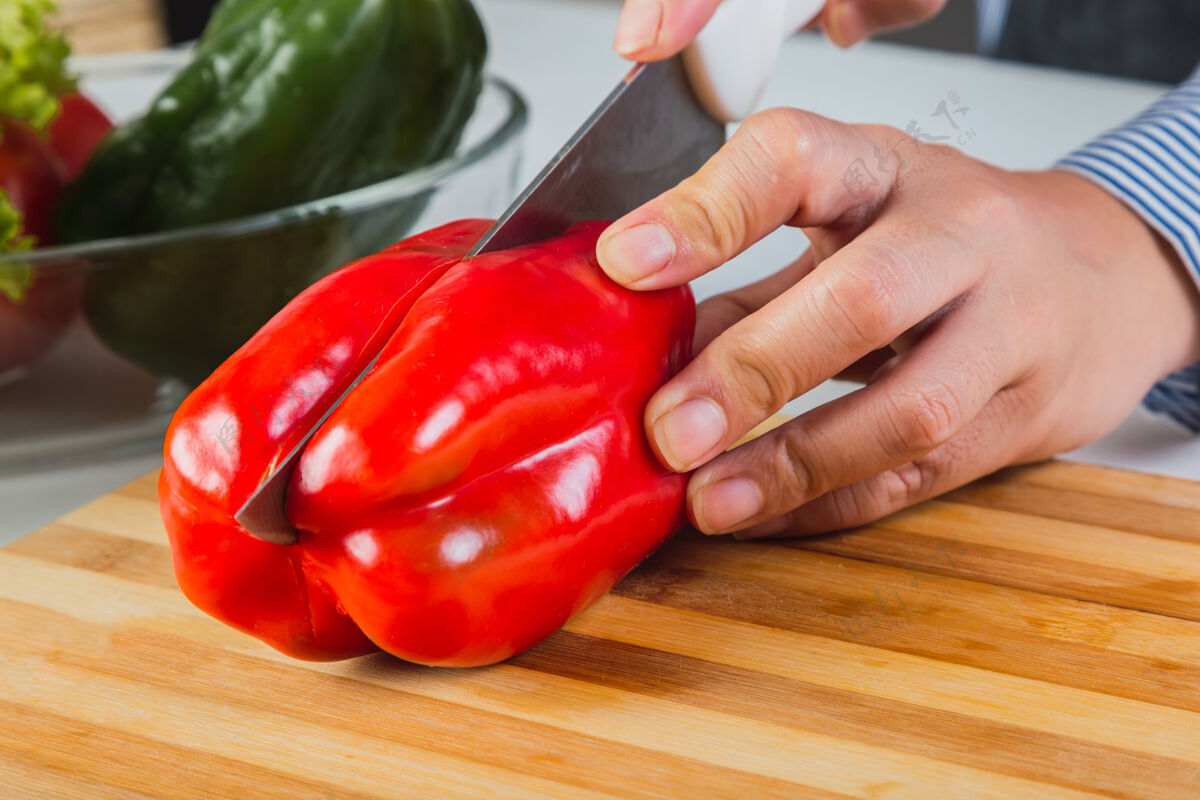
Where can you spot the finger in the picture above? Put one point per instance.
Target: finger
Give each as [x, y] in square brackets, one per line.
[650, 30]
[986, 445]
[932, 393]
[717, 314]
[781, 166]
[847, 22]
[857, 301]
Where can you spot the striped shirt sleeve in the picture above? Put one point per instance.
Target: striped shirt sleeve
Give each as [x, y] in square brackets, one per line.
[1152, 164]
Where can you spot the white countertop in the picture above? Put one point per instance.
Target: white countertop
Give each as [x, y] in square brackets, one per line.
[557, 52]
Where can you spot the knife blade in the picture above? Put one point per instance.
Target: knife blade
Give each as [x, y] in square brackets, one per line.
[649, 134]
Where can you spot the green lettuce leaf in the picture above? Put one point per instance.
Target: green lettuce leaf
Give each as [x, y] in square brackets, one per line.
[15, 278]
[32, 62]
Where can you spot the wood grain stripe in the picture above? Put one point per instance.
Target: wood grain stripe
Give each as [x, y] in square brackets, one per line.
[367, 764]
[1002, 566]
[869, 672]
[570, 758]
[1090, 545]
[806, 759]
[960, 622]
[1088, 508]
[882, 592]
[53, 747]
[120, 514]
[1154, 491]
[876, 721]
[35, 781]
[133, 559]
[77, 593]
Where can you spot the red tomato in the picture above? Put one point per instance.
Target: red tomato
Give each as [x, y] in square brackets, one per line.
[30, 176]
[30, 327]
[76, 131]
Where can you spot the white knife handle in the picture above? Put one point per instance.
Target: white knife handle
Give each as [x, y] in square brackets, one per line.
[731, 60]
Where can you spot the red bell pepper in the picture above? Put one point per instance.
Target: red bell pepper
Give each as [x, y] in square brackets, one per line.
[486, 481]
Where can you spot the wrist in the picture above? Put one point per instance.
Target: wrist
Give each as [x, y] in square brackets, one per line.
[1115, 236]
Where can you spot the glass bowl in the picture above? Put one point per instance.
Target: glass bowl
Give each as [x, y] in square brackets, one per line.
[100, 341]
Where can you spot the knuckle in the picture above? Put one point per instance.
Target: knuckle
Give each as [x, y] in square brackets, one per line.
[925, 418]
[906, 484]
[762, 383]
[796, 478]
[783, 139]
[781, 144]
[714, 212]
[753, 175]
[860, 305]
[850, 505]
[720, 203]
[870, 500]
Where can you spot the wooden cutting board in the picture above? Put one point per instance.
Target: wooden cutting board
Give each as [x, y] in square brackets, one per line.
[1036, 635]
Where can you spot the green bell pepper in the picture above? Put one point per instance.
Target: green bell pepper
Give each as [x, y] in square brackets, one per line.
[285, 101]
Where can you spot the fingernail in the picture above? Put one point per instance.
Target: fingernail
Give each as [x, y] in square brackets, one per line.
[638, 26]
[727, 503]
[636, 253]
[686, 433]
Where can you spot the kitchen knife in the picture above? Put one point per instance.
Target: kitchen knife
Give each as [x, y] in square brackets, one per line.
[652, 131]
[648, 135]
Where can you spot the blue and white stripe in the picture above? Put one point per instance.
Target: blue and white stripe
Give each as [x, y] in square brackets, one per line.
[1153, 165]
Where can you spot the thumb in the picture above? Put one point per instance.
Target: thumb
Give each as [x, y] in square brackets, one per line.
[782, 166]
